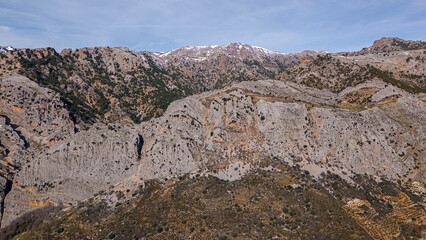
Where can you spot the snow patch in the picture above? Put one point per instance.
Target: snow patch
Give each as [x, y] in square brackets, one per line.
[6, 48]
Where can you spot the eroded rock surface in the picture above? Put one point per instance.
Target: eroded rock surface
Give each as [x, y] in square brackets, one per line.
[31, 118]
[331, 116]
[74, 169]
[254, 120]
[228, 132]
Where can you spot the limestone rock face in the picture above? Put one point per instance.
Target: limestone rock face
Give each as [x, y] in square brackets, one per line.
[31, 118]
[74, 169]
[88, 120]
[228, 133]
[171, 144]
[249, 122]
[38, 112]
[4, 190]
[14, 150]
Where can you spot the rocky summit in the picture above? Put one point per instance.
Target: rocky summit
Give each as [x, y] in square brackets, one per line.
[214, 142]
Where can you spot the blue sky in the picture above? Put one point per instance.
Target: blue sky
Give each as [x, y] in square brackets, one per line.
[284, 26]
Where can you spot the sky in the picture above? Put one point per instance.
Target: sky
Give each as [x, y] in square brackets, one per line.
[162, 25]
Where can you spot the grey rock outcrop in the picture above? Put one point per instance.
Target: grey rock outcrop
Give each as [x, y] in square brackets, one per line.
[252, 121]
[5, 186]
[227, 133]
[31, 118]
[74, 169]
[38, 112]
[362, 122]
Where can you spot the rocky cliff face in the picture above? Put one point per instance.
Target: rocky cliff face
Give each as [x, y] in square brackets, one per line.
[74, 169]
[37, 112]
[289, 122]
[31, 118]
[339, 127]
[231, 133]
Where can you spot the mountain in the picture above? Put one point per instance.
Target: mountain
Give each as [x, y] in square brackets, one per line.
[111, 143]
[386, 45]
[112, 84]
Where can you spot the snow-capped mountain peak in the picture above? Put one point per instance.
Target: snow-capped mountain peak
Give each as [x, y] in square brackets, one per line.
[201, 53]
[6, 48]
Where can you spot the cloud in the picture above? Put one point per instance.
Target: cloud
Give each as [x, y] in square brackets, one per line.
[5, 28]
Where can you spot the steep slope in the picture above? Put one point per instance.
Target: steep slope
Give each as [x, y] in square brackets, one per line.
[283, 204]
[213, 67]
[117, 84]
[74, 169]
[349, 125]
[393, 60]
[31, 119]
[234, 133]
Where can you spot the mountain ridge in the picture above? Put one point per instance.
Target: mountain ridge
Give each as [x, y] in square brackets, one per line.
[89, 134]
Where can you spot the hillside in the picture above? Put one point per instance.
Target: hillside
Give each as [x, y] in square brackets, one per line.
[109, 84]
[216, 142]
